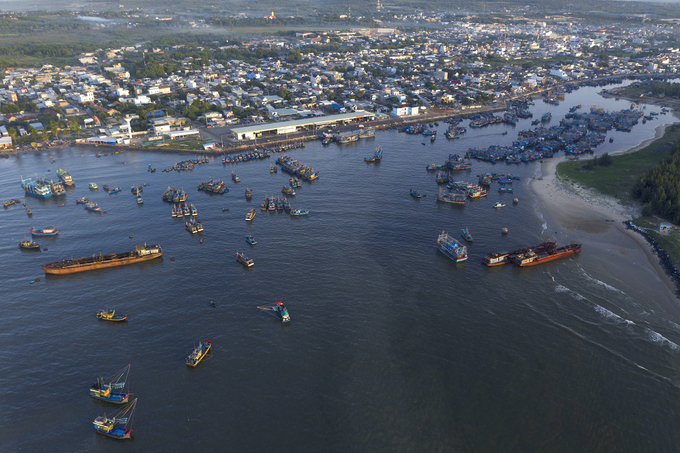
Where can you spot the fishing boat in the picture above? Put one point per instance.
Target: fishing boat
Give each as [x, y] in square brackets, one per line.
[376, 157]
[136, 190]
[282, 311]
[273, 169]
[140, 200]
[110, 315]
[367, 133]
[65, 177]
[505, 189]
[548, 252]
[7, 204]
[99, 261]
[49, 231]
[94, 207]
[29, 245]
[299, 212]
[499, 205]
[287, 190]
[194, 211]
[243, 259]
[82, 200]
[112, 390]
[295, 182]
[29, 212]
[250, 239]
[496, 259]
[36, 188]
[466, 234]
[286, 205]
[451, 248]
[93, 186]
[198, 353]
[235, 177]
[111, 191]
[249, 193]
[415, 193]
[250, 215]
[119, 426]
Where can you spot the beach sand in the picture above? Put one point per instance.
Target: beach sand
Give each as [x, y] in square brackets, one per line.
[616, 256]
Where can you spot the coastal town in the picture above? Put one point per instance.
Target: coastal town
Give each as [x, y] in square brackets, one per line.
[200, 96]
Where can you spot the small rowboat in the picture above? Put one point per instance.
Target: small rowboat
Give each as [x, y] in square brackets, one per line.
[110, 315]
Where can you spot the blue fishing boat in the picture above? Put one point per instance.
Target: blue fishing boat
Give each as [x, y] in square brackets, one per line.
[119, 426]
[94, 207]
[466, 234]
[282, 311]
[250, 239]
[299, 212]
[415, 193]
[49, 231]
[453, 249]
[35, 189]
[243, 259]
[112, 390]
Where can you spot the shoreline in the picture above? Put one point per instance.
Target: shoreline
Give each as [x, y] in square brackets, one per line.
[599, 222]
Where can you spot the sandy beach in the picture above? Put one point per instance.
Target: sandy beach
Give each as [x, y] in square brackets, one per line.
[615, 255]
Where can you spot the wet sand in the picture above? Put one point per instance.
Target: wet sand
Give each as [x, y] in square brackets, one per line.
[621, 257]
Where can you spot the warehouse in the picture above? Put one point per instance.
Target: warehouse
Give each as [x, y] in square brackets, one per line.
[290, 127]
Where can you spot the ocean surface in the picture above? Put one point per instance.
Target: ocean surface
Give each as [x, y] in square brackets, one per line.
[391, 348]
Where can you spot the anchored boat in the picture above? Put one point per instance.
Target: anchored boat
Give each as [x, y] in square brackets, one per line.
[49, 231]
[466, 234]
[250, 239]
[198, 353]
[88, 263]
[29, 245]
[243, 259]
[451, 248]
[119, 426]
[112, 390]
[110, 315]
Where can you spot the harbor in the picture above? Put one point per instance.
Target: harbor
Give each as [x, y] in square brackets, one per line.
[374, 300]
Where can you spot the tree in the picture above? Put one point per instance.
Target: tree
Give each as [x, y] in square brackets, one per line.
[33, 131]
[73, 126]
[54, 128]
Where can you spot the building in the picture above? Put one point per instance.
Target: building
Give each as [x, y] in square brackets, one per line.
[176, 135]
[5, 142]
[404, 111]
[290, 127]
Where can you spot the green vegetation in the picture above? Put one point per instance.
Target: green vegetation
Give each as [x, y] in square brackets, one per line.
[669, 242]
[619, 178]
[659, 188]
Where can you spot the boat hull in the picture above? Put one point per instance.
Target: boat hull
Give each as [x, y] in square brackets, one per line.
[94, 263]
[544, 258]
[115, 433]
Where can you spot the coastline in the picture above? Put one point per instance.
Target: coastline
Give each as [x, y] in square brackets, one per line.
[577, 213]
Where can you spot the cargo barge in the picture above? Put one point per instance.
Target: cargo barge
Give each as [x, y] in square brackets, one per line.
[71, 266]
[549, 253]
